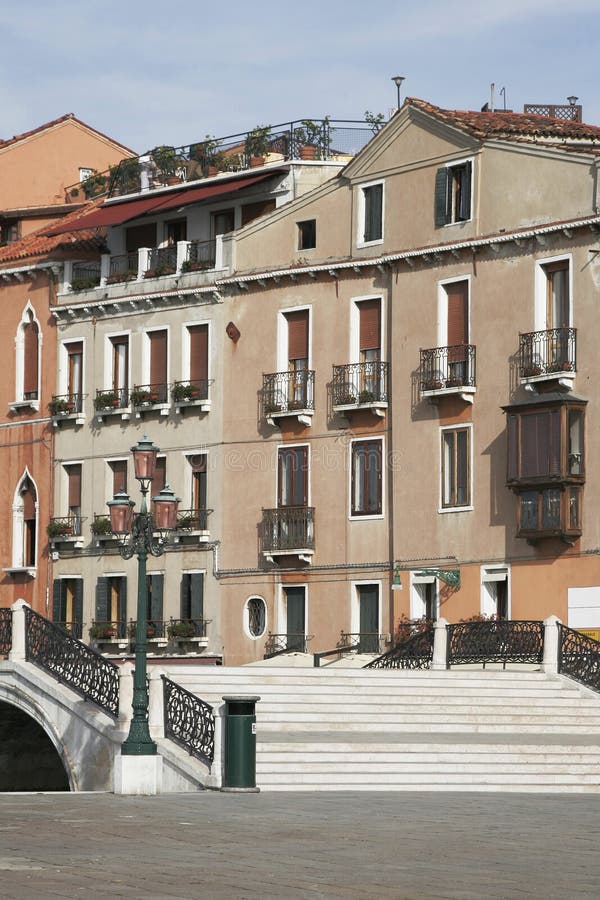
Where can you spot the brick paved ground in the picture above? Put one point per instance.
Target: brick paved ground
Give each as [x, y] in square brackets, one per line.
[288, 846]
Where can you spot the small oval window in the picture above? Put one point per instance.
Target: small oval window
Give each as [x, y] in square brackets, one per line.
[257, 616]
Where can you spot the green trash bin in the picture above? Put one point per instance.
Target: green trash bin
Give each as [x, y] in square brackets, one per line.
[240, 744]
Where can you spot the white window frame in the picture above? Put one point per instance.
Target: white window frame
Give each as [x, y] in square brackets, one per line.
[417, 604]
[108, 357]
[282, 606]
[63, 365]
[360, 239]
[541, 288]
[442, 305]
[459, 426]
[246, 618]
[282, 336]
[20, 359]
[18, 523]
[185, 349]
[491, 574]
[354, 349]
[188, 477]
[362, 440]
[145, 379]
[453, 164]
[355, 603]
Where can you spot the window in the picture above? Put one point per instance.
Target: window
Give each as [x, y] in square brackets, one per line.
[307, 234]
[453, 193]
[293, 477]
[85, 172]
[197, 497]
[456, 476]
[371, 207]
[118, 476]
[75, 371]
[158, 348]
[67, 604]
[25, 510]
[159, 479]
[175, 230]
[111, 601]
[155, 590]
[73, 479]
[222, 222]
[255, 617]
[366, 492]
[456, 297]
[192, 596]
[297, 356]
[10, 231]
[368, 618]
[495, 591]
[197, 336]
[27, 358]
[120, 367]
[557, 294]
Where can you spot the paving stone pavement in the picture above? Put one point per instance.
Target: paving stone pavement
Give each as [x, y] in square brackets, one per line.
[353, 846]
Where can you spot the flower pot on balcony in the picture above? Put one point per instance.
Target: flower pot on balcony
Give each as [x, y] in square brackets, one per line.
[434, 386]
[531, 371]
[256, 161]
[308, 151]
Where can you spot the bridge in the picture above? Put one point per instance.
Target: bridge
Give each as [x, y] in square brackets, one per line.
[470, 706]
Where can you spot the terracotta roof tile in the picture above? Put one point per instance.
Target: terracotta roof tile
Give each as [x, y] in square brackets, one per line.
[41, 243]
[511, 125]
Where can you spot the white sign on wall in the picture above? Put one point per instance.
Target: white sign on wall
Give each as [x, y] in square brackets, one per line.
[584, 607]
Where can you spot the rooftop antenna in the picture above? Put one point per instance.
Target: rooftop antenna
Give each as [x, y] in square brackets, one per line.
[503, 93]
[398, 79]
[492, 86]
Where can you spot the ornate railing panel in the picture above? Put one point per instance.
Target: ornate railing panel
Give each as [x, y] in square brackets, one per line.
[193, 519]
[360, 383]
[414, 653]
[495, 641]
[579, 657]
[288, 392]
[447, 367]
[190, 391]
[547, 352]
[149, 394]
[65, 404]
[71, 662]
[288, 528]
[111, 398]
[163, 261]
[189, 721]
[277, 644]
[5, 631]
[123, 267]
[85, 275]
[362, 641]
[65, 526]
[200, 255]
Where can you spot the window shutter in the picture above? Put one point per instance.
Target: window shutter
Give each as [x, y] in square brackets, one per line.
[156, 604]
[30, 371]
[158, 357]
[554, 435]
[74, 473]
[465, 193]
[29, 503]
[197, 595]
[513, 447]
[458, 294]
[373, 212]
[370, 324]
[198, 352]
[440, 201]
[57, 596]
[78, 601]
[123, 599]
[102, 600]
[184, 597]
[160, 476]
[297, 323]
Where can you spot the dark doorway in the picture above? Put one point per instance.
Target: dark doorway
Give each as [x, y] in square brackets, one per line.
[28, 758]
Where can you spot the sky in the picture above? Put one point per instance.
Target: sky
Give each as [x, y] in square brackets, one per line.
[149, 73]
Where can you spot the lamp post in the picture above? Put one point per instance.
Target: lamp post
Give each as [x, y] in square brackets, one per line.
[136, 536]
[398, 79]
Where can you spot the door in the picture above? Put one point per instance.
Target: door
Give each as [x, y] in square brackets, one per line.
[296, 618]
[368, 601]
[458, 331]
[557, 312]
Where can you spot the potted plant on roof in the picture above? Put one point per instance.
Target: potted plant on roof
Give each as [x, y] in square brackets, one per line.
[94, 185]
[125, 177]
[307, 138]
[257, 144]
[167, 162]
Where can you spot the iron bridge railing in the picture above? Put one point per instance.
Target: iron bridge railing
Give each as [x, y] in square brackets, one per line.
[5, 631]
[547, 352]
[416, 652]
[495, 641]
[579, 657]
[189, 721]
[71, 662]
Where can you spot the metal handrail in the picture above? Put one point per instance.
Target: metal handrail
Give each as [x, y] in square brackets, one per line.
[189, 721]
[519, 641]
[5, 631]
[278, 644]
[579, 657]
[416, 652]
[548, 352]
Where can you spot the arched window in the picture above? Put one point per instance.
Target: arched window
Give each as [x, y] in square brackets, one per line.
[28, 345]
[25, 516]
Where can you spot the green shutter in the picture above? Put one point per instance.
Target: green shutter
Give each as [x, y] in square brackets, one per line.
[123, 599]
[156, 599]
[184, 597]
[465, 193]
[102, 600]
[78, 602]
[440, 201]
[197, 595]
[57, 598]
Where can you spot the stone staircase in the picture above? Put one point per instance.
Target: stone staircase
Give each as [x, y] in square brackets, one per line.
[473, 730]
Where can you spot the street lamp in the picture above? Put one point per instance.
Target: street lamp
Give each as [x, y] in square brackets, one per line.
[398, 79]
[136, 534]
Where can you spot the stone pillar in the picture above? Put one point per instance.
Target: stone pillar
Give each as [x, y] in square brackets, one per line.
[104, 268]
[440, 641]
[215, 779]
[550, 662]
[17, 649]
[219, 252]
[125, 695]
[67, 276]
[156, 710]
[143, 262]
[182, 252]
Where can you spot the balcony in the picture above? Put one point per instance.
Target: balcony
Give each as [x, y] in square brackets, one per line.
[448, 371]
[85, 276]
[361, 386]
[192, 524]
[122, 267]
[161, 261]
[549, 355]
[289, 394]
[66, 407]
[146, 397]
[101, 529]
[191, 393]
[200, 255]
[288, 531]
[65, 530]
[114, 401]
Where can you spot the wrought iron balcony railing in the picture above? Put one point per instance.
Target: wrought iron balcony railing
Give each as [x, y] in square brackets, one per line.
[447, 367]
[277, 644]
[123, 267]
[193, 519]
[111, 399]
[162, 261]
[103, 630]
[64, 527]
[200, 255]
[288, 528]
[548, 352]
[179, 629]
[149, 394]
[360, 384]
[65, 404]
[287, 393]
[190, 391]
[85, 275]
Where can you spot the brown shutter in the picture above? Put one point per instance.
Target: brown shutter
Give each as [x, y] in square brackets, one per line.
[297, 334]
[74, 473]
[30, 373]
[28, 504]
[119, 468]
[370, 324]
[458, 316]
[198, 352]
[140, 236]
[75, 349]
[160, 476]
[158, 357]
